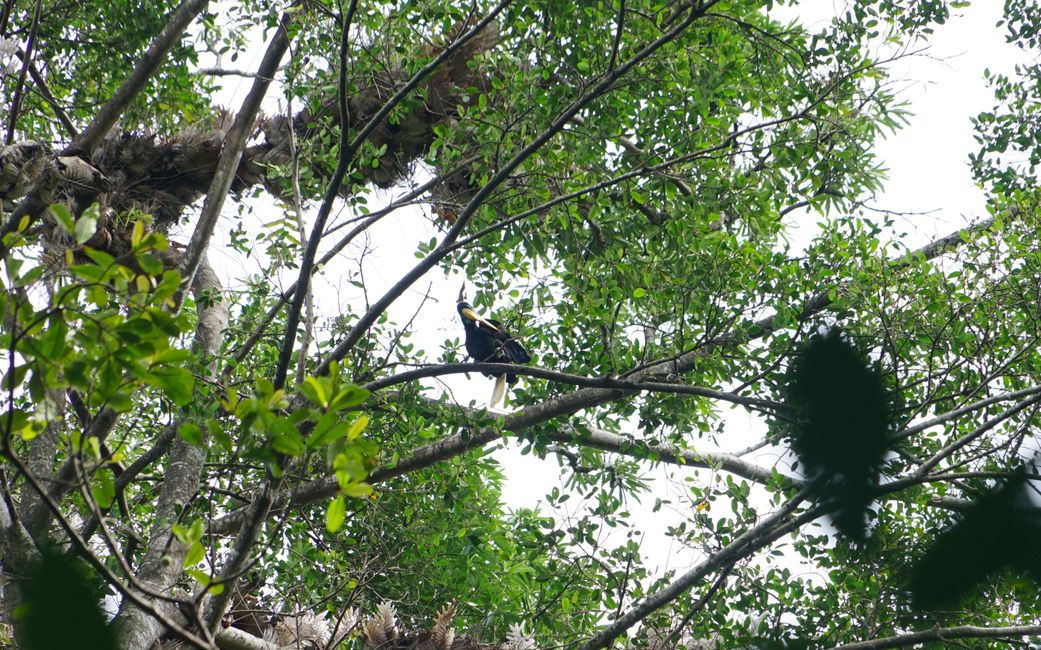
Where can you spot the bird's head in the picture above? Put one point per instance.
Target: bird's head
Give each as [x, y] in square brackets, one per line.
[467, 311]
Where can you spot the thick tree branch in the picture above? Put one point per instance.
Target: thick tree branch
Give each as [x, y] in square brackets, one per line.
[147, 66]
[163, 561]
[667, 453]
[231, 153]
[1010, 633]
[343, 162]
[89, 139]
[574, 380]
[34, 511]
[230, 638]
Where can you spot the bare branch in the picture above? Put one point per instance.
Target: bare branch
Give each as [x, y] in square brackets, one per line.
[1009, 633]
[232, 152]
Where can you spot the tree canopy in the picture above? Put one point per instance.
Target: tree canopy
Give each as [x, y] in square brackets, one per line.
[220, 424]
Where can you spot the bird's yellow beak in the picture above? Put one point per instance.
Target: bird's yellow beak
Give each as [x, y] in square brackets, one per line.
[472, 315]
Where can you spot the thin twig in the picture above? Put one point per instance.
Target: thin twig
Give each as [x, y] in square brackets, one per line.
[27, 59]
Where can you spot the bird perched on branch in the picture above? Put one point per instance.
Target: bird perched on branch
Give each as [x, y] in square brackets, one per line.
[488, 341]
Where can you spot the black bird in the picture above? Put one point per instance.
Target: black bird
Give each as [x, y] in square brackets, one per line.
[488, 341]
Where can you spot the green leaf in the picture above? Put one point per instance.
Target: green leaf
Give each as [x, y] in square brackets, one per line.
[192, 434]
[104, 489]
[335, 514]
[194, 555]
[357, 427]
[76, 372]
[316, 390]
[101, 258]
[86, 226]
[348, 396]
[166, 323]
[203, 578]
[330, 427]
[195, 531]
[14, 378]
[119, 401]
[64, 218]
[138, 233]
[358, 490]
[52, 344]
[288, 443]
[178, 383]
[149, 263]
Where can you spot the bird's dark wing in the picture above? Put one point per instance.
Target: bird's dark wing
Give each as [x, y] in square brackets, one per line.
[516, 352]
[510, 350]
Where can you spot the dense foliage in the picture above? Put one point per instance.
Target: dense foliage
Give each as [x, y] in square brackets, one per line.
[220, 427]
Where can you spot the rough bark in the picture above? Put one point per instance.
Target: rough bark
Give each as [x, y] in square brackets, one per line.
[163, 562]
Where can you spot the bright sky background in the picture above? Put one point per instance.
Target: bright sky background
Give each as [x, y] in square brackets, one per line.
[929, 180]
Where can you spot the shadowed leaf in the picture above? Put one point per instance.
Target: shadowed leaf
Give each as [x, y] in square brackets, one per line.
[1000, 531]
[842, 419]
[62, 608]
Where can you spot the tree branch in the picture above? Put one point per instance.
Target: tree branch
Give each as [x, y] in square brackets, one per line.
[154, 56]
[574, 380]
[772, 527]
[231, 152]
[164, 555]
[88, 140]
[535, 414]
[284, 297]
[944, 634]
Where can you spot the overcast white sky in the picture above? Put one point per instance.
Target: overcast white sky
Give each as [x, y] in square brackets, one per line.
[928, 178]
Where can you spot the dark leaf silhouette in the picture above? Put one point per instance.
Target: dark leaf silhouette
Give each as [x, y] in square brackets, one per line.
[842, 419]
[62, 607]
[1000, 531]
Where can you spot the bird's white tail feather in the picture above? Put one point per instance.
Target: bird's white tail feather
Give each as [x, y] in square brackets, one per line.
[498, 391]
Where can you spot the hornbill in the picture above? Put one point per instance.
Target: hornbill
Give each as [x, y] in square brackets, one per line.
[487, 340]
